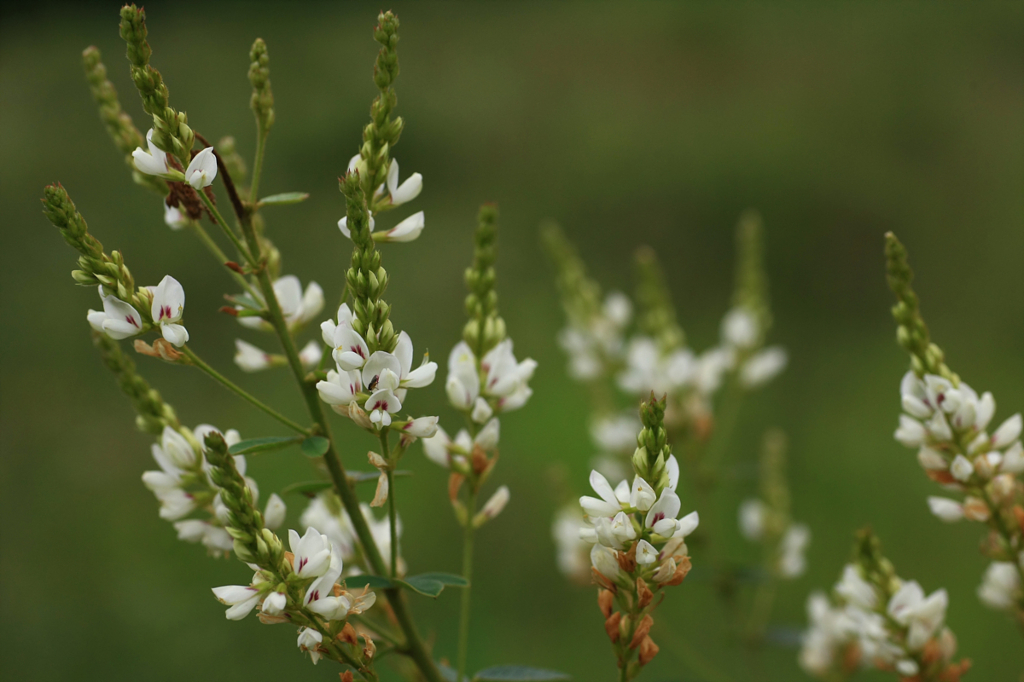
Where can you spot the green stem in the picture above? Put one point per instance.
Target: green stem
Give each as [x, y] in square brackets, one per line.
[240, 392]
[396, 598]
[221, 257]
[467, 573]
[223, 224]
[761, 610]
[257, 166]
[392, 506]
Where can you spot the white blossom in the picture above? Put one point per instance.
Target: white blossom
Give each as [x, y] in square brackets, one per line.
[408, 190]
[174, 218]
[946, 509]
[309, 640]
[274, 513]
[118, 319]
[1000, 588]
[152, 161]
[792, 563]
[167, 309]
[763, 366]
[751, 519]
[312, 553]
[310, 355]
[740, 328]
[297, 306]
[202, 170]
[249, 358]
[241, 598]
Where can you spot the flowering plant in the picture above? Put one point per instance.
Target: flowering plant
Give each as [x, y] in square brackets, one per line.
[340, 578]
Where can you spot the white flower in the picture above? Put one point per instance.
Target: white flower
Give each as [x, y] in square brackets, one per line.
[572, 552]
[118, 320]
[152, 162]
[1000, 587]
[310, 355]
[1007, 432]
[249, 358]
[320, 596]
[339, 390]
[616, 433]
[408, 190]
[687, 525]
[409, 377]
[174, 218]
[274, 603]
[381, 405]
[506, 378]
[442, 450]
[923, 615]
[646, 554]
[202, 170]
[1013, 459]
[641, 494]
[309, 640]
[405, 231]
[711, 366]
[763, 367]
[961, 468]
[910, 432]
[739, 328]
[481, 411]
[493, 506]
[603, 559]
[791, 562]
[312, 553]
[241, 598]
[174, 451]
[337, 527]
[932, 460]
[298, 307]
[751, 518]
[174, 503]
[168, 307]
[487, 437]
[608, 505]
[907, 667]
[855, 589]
[274, 513]
[661, 518]
[946, 509]
[329, 329]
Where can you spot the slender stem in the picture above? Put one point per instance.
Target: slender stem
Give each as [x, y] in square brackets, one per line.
[221, 257]
[761, 610]
[417, 650]
[392, 505]
[240, 392]
[223, 224]
[467, 573]
[257, 165]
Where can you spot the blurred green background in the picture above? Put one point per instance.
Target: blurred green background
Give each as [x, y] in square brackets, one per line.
[641, 123]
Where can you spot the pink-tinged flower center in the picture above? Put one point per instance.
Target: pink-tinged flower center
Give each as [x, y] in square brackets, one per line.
[380, 405]
[131, 320]
[302, 563]
[658, 517]
[165, 312]
[358, 351]
[315, 596]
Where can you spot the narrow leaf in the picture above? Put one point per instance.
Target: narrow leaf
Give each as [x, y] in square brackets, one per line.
[315, 446]
[254, 445]
[449, 579]
[283, 199]
[362, 476]
[375, 582]
[520, 673]
[428, 587]
[308, 488]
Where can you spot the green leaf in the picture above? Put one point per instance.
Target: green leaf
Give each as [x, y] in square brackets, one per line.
[520, 673]
[283, 199]
[254, 445]
[247, 301]
[308, 488]
[315, 446]
[363, 476]
[449, 579]
[428, 587]
[375, 582]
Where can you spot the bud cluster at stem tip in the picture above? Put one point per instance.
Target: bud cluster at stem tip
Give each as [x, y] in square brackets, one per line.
[652, 452]
[751, 288]
[657, 315]
[118, 123]
[485, 328]
[911, 331]
[262, 101]
[581, 295]
[153, 414]
[367, 279]
[171, 132]
[382, 133]
[253, 542]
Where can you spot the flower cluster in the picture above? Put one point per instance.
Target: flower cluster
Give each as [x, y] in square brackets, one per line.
[327, 516]
[875, 618]
[766, 520]
[183, 486]
[638, 540]
[947, 421]
[297, 306]
[370, 387]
